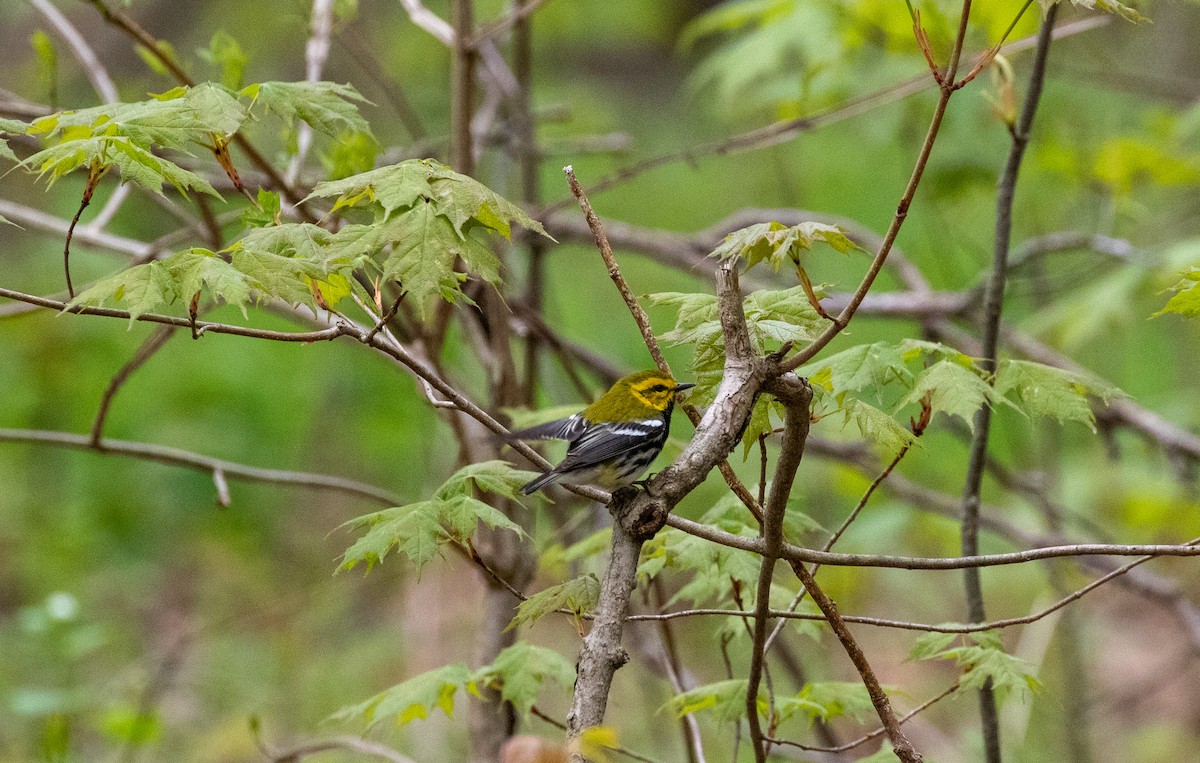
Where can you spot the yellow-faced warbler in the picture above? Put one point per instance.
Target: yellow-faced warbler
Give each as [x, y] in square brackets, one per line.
[614, 439]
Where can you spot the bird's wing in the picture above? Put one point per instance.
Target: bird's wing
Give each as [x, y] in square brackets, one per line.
[603, 442]
[560, 429]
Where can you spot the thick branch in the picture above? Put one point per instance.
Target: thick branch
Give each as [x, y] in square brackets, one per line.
[639, 518]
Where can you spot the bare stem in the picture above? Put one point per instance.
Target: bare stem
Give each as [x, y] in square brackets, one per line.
[993, 307]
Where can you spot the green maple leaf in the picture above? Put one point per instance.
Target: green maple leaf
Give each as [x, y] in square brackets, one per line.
[579, 596]
[412, 699]
[135, 163]
[498, 477]
[1043, 390]
[327, 107]
[419, 248]
[775, 243]
[520, 671]
[173, 119]
[200, 268]
[827, 700]
[414, 529]
[394, 187]
[956, 390]
[1186, 300]
[726, 700]
[142, 288]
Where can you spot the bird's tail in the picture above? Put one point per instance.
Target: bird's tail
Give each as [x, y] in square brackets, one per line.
[548, 478]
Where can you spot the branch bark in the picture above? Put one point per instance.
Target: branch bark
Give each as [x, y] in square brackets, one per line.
[993, 307]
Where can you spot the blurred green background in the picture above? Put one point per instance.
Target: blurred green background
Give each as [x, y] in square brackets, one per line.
[144, 622]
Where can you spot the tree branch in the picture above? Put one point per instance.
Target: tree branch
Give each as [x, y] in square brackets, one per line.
[993, 307]
[796, 396]
[198, 462]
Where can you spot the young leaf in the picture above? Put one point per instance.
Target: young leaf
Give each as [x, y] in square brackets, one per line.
[143, 289]
[173, 119]
[197, 268]
[981, 661]
[826, 700]
[1049, 391]
[424, 248]
[137, 164]
[864, 366]
[327, 107]
[462, 199]
[877, 426]
[498, 477]
[412, 699]
[394, 187]
[461, 514]
[414, 529]
[1109, 6]
[579, 596]
[1186, 300]
[419, 529]
[226, 53]
[10, 127]
[775, 242]
[956, 390]
[520, 671]
[725, 699]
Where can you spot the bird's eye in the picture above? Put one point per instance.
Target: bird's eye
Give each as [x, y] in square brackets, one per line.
[659, 388]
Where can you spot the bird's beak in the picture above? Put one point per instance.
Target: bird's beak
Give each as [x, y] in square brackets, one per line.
[682, 387]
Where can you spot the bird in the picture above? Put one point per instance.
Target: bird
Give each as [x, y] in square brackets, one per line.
[613, 440]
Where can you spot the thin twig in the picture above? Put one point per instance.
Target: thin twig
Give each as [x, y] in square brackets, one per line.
[842, 319]
[643, 323]
[201, 463]
[993, 307]
[795, 434]
[125, 23]
[873, 734]
[614, 272]
[782, 131]
[152, 344]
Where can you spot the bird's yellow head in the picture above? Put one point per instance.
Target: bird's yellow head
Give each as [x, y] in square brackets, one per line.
[641, 395]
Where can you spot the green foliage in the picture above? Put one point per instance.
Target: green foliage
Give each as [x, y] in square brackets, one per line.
[775, 242]
[327, 107]
[1043, 390]
[952, 383]
[10, 127]
[520, 671]
[230, 278]
[414, 698]
[462, 200]
[826, 700]
[227, 55]
[125, 135]
[430, 217]
[419, 530]
[772, 318]
[174, 119]
[578, 596]
[1124, 163]
[137, 164]
[726, 700]
[981, 659]
[1186, 299]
